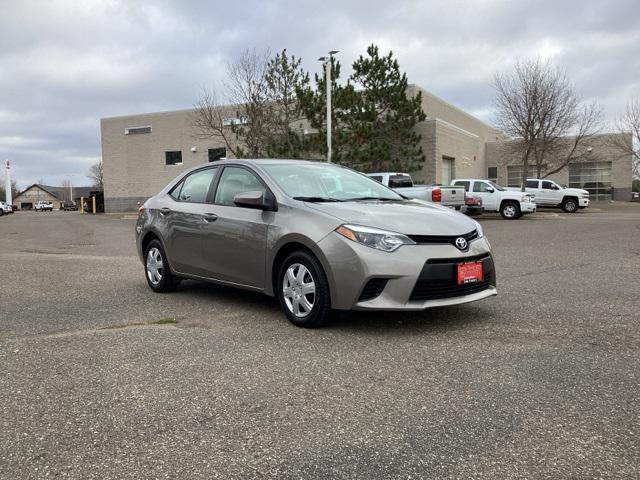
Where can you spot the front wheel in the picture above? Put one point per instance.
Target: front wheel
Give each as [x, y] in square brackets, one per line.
[570, 205]
[303, 290]
[510, 211]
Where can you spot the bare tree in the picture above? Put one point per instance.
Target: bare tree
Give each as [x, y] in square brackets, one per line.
[96, 175]
[66, 190]
[627, 124]
[240, 110]
[260, 110]
[212, 120]
[538, 107]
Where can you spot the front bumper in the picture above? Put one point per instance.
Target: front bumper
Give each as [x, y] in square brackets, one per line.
[528, 207]
[583, 202]
[351, 265]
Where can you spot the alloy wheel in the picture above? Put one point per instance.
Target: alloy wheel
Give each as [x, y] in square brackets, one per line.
[154, 265]
[570, 206]
[510, 211]
[299, 290]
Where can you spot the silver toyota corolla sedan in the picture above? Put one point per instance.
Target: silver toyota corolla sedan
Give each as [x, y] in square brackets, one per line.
[317, 236]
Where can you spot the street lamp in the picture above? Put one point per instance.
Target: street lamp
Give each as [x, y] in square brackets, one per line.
[7, 167]
[326, 62]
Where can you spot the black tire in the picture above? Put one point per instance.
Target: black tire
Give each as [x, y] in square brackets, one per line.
[167, 281]
[320, 312]
[1, 212]
[510, 210]
[570, 205]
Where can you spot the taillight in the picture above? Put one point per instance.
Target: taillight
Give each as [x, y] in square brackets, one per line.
[436, 195]
[141, 210]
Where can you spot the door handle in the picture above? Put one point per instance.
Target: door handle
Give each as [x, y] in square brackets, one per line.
[165, 211]
[210, 217]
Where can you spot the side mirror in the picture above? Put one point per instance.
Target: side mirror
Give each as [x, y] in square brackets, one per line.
[490, 189]
[257, 200]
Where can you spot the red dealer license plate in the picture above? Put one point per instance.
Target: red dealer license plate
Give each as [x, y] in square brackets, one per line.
[469, 273]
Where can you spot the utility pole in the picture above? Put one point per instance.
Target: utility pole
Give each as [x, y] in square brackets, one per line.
[8, 193]
[327, 70]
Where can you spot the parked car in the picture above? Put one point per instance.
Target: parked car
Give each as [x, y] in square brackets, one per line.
[317, 236]
[402, 183]
[43, 206]
[549, 194]
[473, 205]
[510, 204]
[69, 205]
[5, 208]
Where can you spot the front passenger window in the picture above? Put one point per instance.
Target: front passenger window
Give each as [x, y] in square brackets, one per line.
[234, 181]
[481, 187]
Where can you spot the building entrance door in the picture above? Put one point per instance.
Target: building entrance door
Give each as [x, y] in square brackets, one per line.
[447, 170]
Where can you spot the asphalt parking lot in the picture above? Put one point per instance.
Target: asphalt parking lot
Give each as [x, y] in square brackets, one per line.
[542, 381]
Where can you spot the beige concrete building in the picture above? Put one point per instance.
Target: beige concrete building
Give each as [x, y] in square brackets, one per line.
[603, 169]
[142, 153]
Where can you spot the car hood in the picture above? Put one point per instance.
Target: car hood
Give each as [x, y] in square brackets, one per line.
[411, 217]
[575, 191]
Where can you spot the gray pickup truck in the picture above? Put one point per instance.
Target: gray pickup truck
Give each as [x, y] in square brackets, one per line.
[446, 195]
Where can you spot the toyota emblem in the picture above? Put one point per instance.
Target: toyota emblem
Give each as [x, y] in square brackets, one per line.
[461, 243]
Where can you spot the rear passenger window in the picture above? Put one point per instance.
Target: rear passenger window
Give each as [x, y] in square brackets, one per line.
[196, 186]
[377, 178]
[534, 184]
[466, 185]
[175, 191]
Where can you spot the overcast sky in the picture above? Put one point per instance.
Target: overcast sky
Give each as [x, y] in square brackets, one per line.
[65, 64]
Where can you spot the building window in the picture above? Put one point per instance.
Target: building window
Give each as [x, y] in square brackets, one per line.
[217, 154]
[492, 174]
[595, 177]
[227, 122]
[514, 174]
[173, 158]
[137, 130]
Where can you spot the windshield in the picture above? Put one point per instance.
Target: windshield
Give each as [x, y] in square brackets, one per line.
[496, 186]
[325, 182]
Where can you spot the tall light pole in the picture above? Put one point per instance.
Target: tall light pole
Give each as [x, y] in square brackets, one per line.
[326, 62]
[9, 197]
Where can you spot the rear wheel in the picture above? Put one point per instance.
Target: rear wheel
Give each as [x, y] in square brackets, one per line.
[570, 205]
[510, 211]
[156, 269]
[303, 291]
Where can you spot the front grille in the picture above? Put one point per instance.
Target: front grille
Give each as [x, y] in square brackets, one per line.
[438, 279]
[372, 289]
[442, 239]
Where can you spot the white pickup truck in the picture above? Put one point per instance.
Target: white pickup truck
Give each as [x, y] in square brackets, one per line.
[549, 194]
[43, 206]
[495, 198]
[446, 195]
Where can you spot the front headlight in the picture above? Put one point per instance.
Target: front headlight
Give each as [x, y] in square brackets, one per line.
[374, 237]
[479, 229]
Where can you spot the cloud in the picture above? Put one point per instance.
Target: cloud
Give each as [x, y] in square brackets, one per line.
[65, 64]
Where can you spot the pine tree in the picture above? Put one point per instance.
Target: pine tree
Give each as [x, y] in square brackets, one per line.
[373, 119]
[381, 123]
